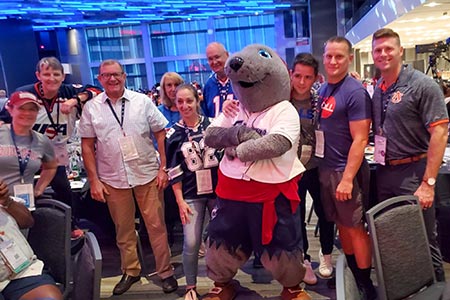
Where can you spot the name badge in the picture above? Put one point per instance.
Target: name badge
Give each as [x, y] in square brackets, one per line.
[13, 256]
[26, 193]
[320, 144]
[128, 148]
[204, 181]
[379, 154]
[306, 154]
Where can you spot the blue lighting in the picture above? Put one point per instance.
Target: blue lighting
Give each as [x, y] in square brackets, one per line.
[77, 13]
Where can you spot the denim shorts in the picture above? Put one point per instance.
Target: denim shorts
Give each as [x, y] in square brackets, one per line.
[239, 225]
[19, 287]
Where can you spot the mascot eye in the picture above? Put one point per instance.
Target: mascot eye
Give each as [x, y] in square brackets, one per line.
[264, 53]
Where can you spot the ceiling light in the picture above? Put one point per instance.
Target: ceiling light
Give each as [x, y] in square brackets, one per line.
[432, 4]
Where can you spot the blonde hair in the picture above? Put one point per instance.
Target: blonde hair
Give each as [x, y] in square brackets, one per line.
[175, 77]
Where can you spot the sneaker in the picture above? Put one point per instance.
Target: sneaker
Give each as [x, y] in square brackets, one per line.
[310, 277]
[76, 234]
[222, 291]
[294, 293]
[202, 250]
[191, 294]
[325, 266]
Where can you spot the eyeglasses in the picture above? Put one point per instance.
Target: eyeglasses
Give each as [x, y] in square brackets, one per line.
[109, 75]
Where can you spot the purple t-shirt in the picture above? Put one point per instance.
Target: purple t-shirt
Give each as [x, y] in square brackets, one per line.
[340, 104]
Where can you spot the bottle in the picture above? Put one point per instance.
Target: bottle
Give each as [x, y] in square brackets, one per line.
[75, 168]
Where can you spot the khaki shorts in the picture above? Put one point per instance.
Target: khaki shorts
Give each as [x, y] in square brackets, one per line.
[348, 213]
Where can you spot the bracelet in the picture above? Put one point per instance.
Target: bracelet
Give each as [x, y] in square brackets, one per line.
[8, 203]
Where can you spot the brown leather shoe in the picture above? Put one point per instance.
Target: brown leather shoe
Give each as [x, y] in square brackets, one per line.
[294, 293]
[222, 291]
[125, 283]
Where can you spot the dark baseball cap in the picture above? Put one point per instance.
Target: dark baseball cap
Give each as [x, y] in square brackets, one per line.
[20, 98]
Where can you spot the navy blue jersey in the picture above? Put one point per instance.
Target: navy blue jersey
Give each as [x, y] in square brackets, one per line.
[187, 153]
[214, 94]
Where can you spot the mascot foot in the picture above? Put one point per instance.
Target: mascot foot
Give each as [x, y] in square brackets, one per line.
[222, 291]
[294, 293]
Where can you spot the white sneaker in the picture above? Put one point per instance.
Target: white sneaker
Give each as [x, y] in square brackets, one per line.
[310, 277]
[325, 266]
[191, 294]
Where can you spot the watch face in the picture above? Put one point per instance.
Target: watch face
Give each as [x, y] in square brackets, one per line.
[431, 181]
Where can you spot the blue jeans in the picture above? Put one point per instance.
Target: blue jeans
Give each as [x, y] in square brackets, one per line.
[193, 236]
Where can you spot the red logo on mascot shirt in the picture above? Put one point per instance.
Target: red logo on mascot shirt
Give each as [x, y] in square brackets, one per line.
[328, 106]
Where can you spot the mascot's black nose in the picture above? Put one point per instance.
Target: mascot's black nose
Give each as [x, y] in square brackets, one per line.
[236, 63]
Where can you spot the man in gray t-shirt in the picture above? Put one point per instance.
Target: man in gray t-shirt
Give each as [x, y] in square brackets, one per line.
[409, 113]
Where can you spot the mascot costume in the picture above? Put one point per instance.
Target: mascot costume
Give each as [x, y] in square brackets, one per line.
[257, 188]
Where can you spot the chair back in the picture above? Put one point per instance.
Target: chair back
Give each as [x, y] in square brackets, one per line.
[400, 247]
[50, 240]
[88, 270]
[346, 287]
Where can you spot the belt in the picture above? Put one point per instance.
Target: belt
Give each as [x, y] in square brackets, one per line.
[396, 162]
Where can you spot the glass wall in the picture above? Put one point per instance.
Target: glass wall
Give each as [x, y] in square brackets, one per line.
[147, 51]
[123, 43]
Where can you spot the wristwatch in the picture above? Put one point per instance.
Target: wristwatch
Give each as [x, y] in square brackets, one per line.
[431, 181]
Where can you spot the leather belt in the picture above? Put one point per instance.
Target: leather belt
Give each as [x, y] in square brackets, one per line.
[396, 162]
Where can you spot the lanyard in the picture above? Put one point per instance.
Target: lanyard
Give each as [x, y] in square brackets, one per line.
[189, 136]
[384, 106]
[223, 90]
[49, 114]
[49, 109]
[325, 100]
[23, 162]
[122, 113]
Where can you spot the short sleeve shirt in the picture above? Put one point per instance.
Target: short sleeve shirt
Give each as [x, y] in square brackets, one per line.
[141, 117]
[41, 151]
[282, 119]
[340, 104]
[410, 106]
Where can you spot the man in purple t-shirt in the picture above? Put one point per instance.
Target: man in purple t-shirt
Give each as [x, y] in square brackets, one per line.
[343, 127]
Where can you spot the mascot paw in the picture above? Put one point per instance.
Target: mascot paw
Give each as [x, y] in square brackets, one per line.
[246, 133]
[230, 152]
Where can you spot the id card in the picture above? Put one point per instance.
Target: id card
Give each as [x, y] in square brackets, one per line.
[379, 154]
[26, 193]
[204, 181]
[320, 144]
[128, 148]
[306, 154]
[14, 256]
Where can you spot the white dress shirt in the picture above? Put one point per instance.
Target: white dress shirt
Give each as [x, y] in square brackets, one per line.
[141, 117]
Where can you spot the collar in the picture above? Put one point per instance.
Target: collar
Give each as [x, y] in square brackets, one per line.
[403, 79]
[126, 96]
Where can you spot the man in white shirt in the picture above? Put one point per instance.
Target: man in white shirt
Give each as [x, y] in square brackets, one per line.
[120, 161]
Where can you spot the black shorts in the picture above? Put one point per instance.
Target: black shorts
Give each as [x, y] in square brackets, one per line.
[19, 287]
[238, 224]
[348, 213]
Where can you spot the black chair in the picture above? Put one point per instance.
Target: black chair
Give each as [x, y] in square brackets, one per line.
[401, 252]
[346, 287]
[50, 240]
[88, 270]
